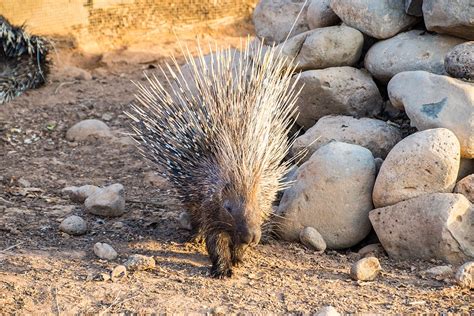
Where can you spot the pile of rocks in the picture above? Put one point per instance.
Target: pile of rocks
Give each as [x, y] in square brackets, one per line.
[364, 64]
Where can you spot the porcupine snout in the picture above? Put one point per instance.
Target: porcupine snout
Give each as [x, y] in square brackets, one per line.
[247, 224]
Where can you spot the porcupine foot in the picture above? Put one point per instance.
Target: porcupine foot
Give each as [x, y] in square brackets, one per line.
[218, 246]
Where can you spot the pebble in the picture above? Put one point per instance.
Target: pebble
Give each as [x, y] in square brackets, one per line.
[73, 225]
[465, 275]
[101, 277]
[109, 201]
[139, 263]
[328, 311]
[105, 251]
[366, 269]
[466, 187]
[118, 273]
[184, 221]
[439, 272]
[312, 239]
[372, 250]
[80, 194]
[88, 128]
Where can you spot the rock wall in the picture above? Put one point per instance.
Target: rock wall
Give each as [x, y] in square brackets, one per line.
[96, 24]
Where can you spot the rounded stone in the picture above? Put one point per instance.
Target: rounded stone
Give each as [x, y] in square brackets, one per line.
[88, 128]
[105, 251]
[312, 239]
[118, 273]
[450, 17]
[73, 225]
[459, 62]
[424, 162]
[109, 201]
[139, 263]
[332, 193]
[466, 187]
[366, 269]
[465, 275]
[320, 14]
[413, 50]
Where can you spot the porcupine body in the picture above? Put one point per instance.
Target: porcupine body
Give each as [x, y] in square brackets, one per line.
[23, 61]
[220, 135]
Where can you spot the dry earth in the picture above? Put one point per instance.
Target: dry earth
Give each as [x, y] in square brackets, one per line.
[44, 271]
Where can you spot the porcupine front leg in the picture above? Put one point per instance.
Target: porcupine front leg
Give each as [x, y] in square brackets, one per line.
[218, 246]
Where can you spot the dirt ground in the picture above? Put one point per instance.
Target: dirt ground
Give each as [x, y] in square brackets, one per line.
[44, 271]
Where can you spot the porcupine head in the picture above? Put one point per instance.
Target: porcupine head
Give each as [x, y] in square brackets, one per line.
[219, 127]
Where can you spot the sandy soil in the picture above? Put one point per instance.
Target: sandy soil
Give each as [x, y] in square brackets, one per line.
[44, 271]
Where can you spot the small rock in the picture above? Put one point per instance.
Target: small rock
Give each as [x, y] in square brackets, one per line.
[366, 269]
[73, 225]
[105, 251]
[413, 50]
[109, 201]
[80, 194]
[24, 183]
[184, 221]
[465, 275]
[459, 62]
[273, 19]
[88, 128]
[139, 263]
[118, 273]
[377, 18]
[312, 239]
[424, 162]
[440, 104]
[118, 225]
[107, 116]
[439, 272]
[466, 187]
[372, 250]
[430, 226]
[328, 311]
[450, 17]
[101, 277]
[375, 135]
[332, 46]
[320, 14]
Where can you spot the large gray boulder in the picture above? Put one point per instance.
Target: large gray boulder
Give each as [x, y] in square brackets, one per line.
[377, 18]
[320, 14]
[436, 101]
[424, 162]
[450, 17]
[336, 90]
[431, 226]
[459, 61]
[413, 50]
[375, 135]
[273, 19]
[325, 47]
[332, 194]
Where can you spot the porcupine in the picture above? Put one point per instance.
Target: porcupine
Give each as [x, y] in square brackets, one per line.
[23, 61]
[221, 139]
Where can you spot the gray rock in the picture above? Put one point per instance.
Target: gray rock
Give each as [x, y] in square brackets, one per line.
[372, 250]
[109, 201]
[431, 226]
[459, 62]
[139, 263]
[450, 17]
[414, 7]
[366, 269]
[412, 50]
[332, 193]
[466, 187]
[328, 311]
[312, 239]
[105, 251]
[439, 272]
[87, 129]
[73, 225]
[375, 135]
[445, 102]
[338, 90]
[325, 47]
[424, 162]
[273, 19]
[320, 14]
[377, 18]
[465, 275]
[80, 194]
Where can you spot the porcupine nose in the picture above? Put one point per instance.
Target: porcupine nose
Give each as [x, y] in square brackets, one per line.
[250, 237]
